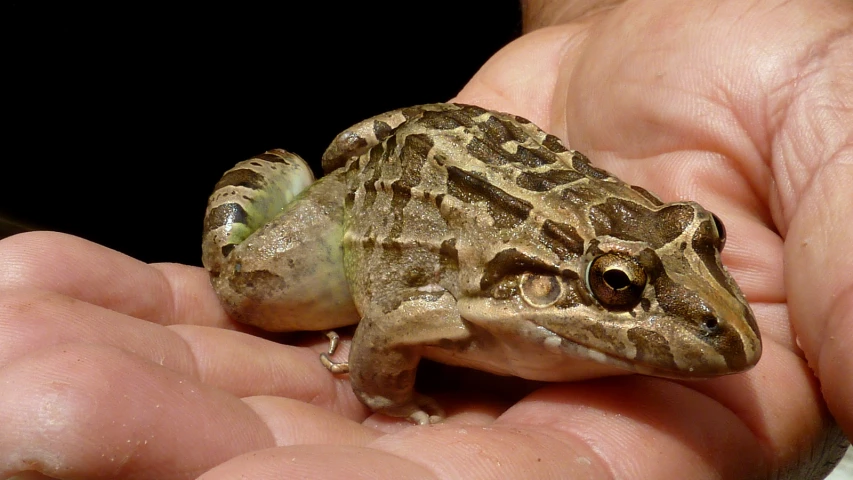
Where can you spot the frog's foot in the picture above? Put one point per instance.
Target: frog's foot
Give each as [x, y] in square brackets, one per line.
[326, 357]
[420, 409]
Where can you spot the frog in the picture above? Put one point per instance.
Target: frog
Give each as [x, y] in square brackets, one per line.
[473, 238]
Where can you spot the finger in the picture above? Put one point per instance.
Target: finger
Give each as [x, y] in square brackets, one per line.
[521, 77]
[819, 260]
[596, 430]
[90, 411]
[626, 428]
[89, 272]
[437, 451]
[33, 320]
[697, 428]
[319, 462]
[812, 165]
[717, 425]
[247, 365]
[690, 435]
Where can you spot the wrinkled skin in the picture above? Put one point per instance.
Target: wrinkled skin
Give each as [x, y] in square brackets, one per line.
[111, 368]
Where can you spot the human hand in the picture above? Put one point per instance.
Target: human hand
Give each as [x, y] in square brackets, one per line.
[744, 107]
[110, 368]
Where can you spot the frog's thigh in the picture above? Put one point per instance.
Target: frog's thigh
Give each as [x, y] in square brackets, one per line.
[387, 347]
[289, 274]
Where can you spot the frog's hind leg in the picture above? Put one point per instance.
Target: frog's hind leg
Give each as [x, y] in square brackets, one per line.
[247, 196]
[273, 251]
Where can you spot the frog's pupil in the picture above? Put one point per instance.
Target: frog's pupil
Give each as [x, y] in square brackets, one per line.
[616, 279]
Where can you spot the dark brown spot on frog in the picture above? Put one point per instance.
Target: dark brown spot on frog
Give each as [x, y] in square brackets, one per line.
[631, 221]
[348, 144]
[226, 250]
[561, 239]
[533, 158]
[381, 130]
[554, 144]
[446, 120]
[521, 120]
[544, 181]
[506, 210]
[498, 131]
[376, 157]
[242, 178]
[439, 121]
[652, 349]
[369, 193]
[368, 243]
[580, 194]
[379, 156]
[413, 155]
[225, 214]
[449, 257]
[418, 276]
[510, 262]
[605, 338]
[400, 197]
[472, 110]
[488, 153]
[582, 165]
[412, 112]
[439, 199]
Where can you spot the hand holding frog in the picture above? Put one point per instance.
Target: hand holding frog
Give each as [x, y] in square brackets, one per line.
[746, 111]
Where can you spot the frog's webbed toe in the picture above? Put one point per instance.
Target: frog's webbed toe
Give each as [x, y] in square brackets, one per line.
[426, 404]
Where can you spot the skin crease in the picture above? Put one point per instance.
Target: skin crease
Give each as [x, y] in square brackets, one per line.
[110, 368]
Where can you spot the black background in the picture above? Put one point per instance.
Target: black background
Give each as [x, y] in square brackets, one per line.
[119, 121]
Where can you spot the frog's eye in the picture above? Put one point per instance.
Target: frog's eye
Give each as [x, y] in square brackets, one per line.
[540, 290]
[721, 230]
[616, 280]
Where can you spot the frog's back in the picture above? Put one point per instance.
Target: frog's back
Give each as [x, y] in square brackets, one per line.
[438, 188]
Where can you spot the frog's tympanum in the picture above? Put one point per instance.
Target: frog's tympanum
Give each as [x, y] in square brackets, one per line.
[473, 238]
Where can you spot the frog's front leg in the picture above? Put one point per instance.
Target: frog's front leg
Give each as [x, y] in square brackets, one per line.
[387, 347]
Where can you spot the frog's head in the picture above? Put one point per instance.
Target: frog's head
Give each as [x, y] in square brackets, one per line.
[645, 291]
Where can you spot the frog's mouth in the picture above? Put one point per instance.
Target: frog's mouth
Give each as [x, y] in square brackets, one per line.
[606, 359]
[598, 362]
[584, 346]
[643, 351]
